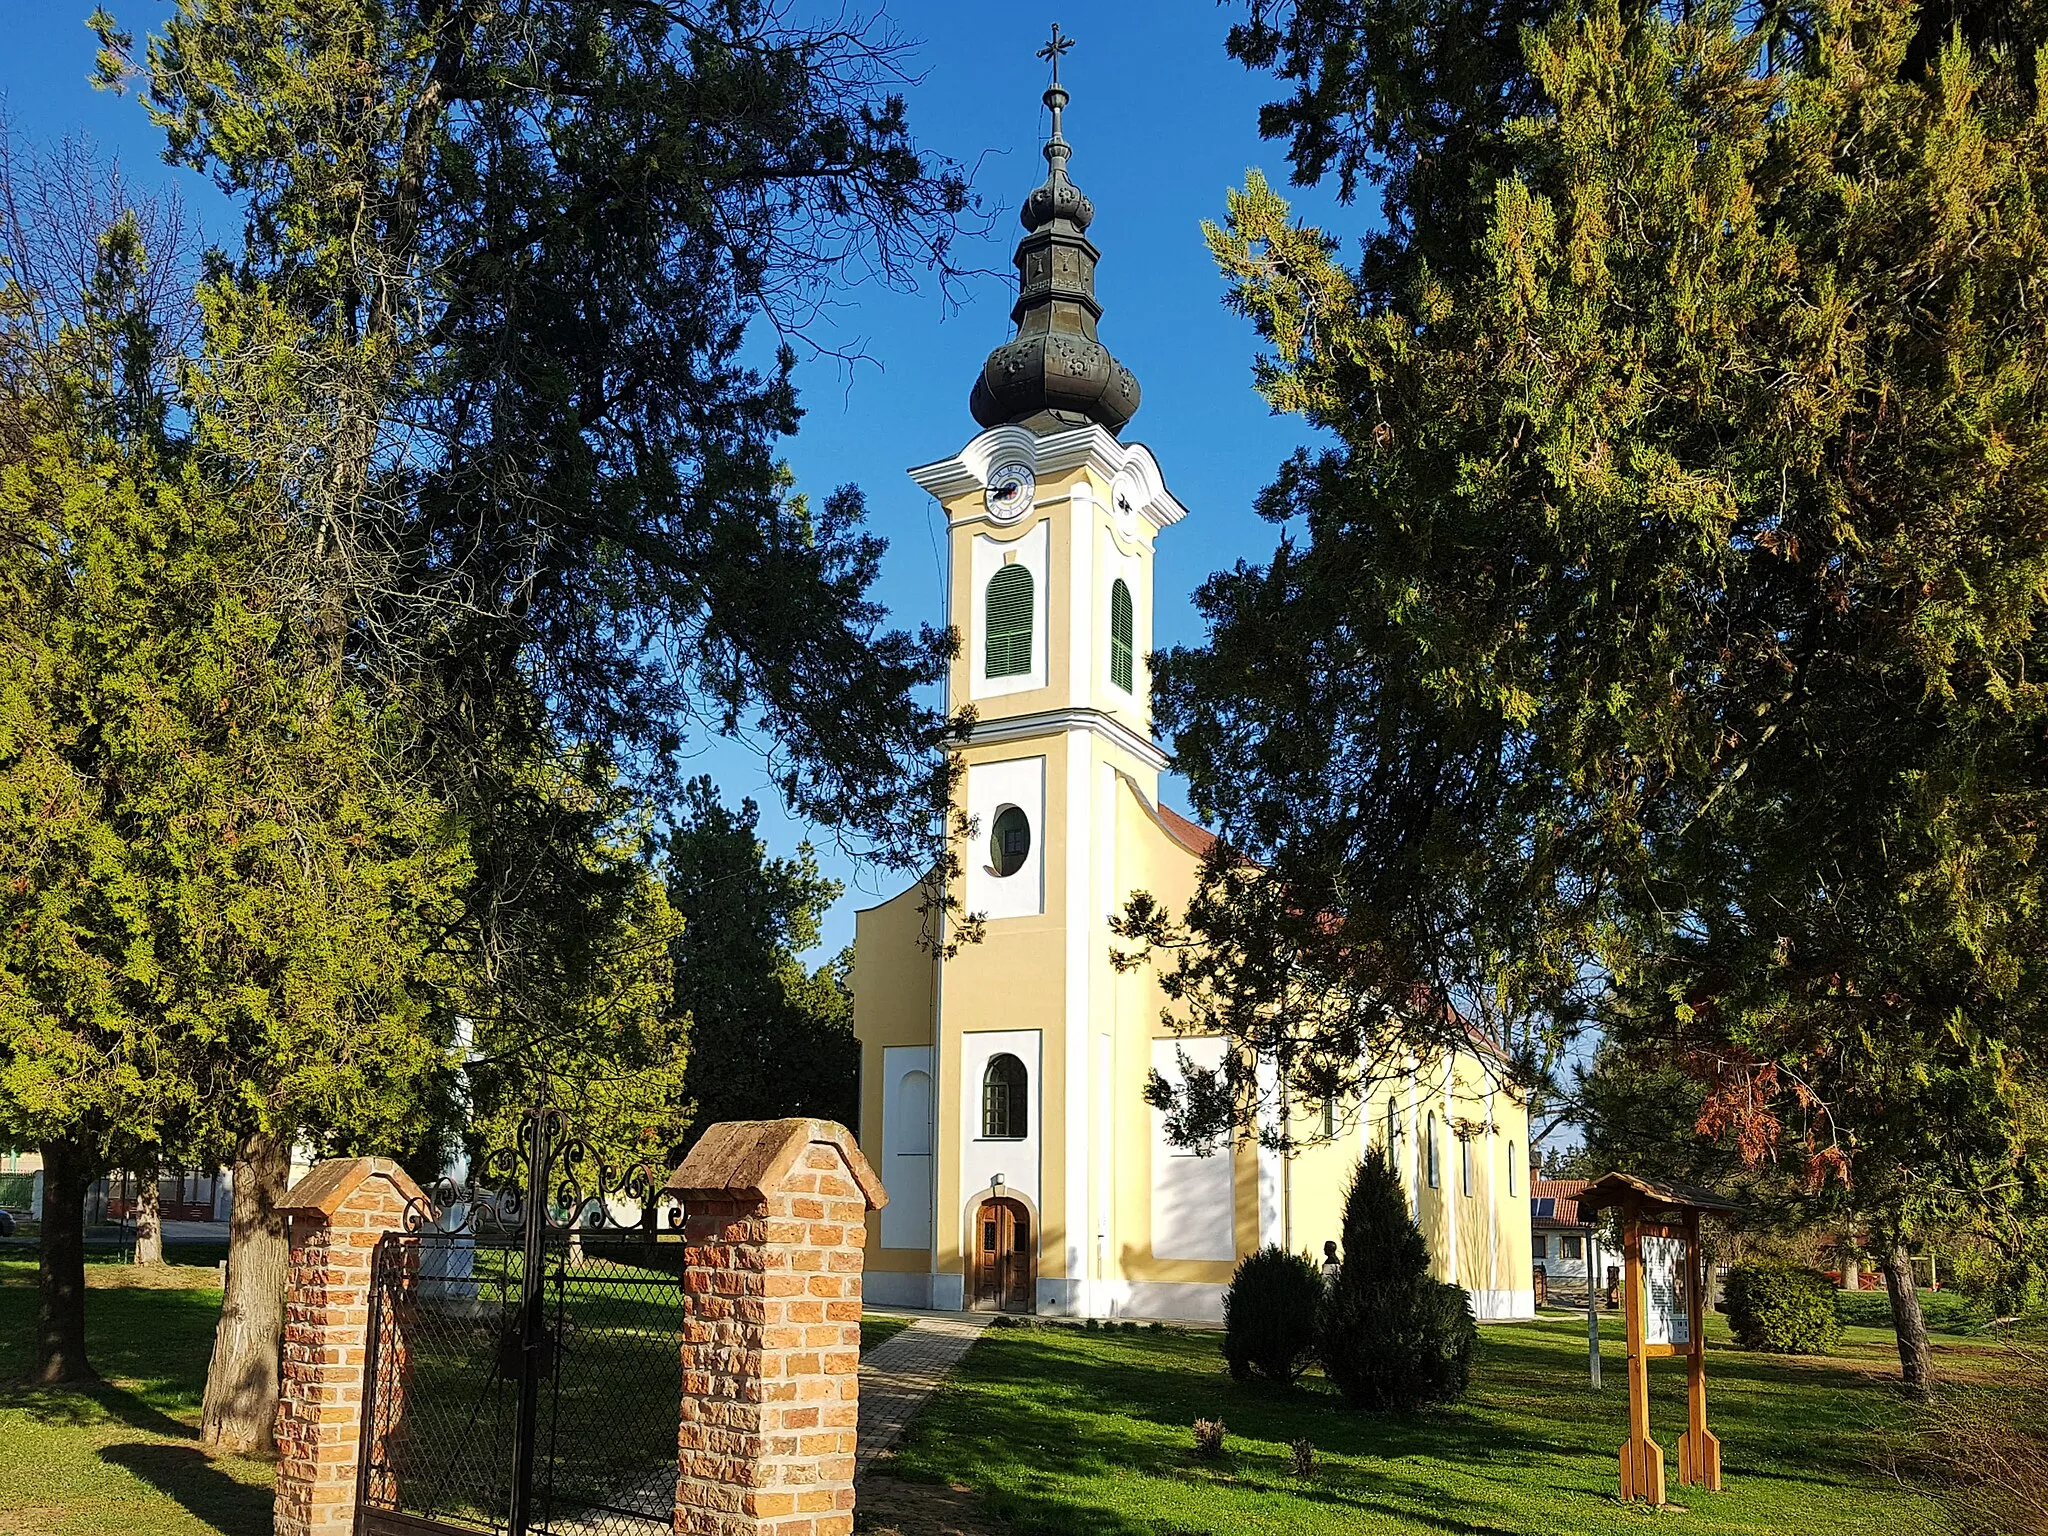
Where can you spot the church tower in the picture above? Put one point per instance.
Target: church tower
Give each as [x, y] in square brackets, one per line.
[1051, 519]
[1002, 1089]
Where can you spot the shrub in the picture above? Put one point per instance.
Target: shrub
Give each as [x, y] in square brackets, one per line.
[1269, 1315]
[1304, 1458]
[1783, 1308]
[1392, 1338]
[1209, 1438]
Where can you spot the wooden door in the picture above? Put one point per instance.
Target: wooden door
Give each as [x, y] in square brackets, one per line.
[1002, 1269]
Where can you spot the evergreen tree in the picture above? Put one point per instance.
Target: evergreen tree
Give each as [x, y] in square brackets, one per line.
[1392, 1338]
[223, 887]
[484, 347]
[769, 1036]
[1669, 609]
[1269, 1315]
[219, 912]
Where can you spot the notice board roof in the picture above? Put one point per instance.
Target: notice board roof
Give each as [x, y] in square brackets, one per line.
[1656, 1194]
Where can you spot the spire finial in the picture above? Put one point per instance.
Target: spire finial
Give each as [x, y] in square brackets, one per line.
[1054, 49]
[1057, 151]
[1055, 374]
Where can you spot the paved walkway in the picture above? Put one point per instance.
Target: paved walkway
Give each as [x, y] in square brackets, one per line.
[898, 1375]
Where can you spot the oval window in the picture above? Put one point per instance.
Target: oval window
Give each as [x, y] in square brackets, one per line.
[1009, 841]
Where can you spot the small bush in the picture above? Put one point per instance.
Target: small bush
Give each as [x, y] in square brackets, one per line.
[1155, 1327]
[1209, 1438]
[1002, 1320]
[1269, 1315]
[1304, 1459]
[1783, 1309]
[1393, 1339]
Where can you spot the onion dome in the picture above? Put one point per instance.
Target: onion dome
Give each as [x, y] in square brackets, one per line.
[1055, 374]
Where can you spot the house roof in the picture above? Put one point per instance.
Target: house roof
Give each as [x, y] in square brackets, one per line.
[1555, 1203]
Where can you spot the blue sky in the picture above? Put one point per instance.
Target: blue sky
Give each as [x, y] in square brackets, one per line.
[1162, 123]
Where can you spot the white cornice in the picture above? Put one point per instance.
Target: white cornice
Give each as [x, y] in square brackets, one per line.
[1047, 721]
[1057, 452]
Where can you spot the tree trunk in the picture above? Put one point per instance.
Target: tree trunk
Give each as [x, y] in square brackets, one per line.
[242, 1380]
[149, 1220]
[1915, 1360]
[60, 1270]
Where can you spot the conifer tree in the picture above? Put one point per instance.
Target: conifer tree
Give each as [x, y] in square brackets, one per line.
[769, 1036]
[1670, 608]
[1393, 1338]
[486, 348]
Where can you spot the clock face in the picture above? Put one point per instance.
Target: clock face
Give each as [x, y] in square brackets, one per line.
[1009, 491]
[1125, 497]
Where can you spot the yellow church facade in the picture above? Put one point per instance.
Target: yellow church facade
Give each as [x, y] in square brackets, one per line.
[1002, 1088]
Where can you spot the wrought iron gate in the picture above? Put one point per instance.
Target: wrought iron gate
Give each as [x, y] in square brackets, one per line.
[524, 1371]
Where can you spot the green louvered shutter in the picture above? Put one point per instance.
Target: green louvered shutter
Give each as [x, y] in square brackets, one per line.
[1009, 622]
[1120, 635]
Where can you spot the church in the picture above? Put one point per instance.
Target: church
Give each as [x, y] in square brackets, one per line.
[1002, 1088]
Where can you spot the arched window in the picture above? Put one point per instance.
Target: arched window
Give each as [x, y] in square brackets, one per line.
[1429, 1152]
[1009, 622]
[1393, 1126]
[1003, 1113]
[1465, 1165]
[1009, 840]
[914, 1115]
[1329, 1117]
[1511, 1170]
[1120, 635]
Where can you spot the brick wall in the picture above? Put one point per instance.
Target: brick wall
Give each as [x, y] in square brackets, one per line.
[338, 1214]
[775, 1222]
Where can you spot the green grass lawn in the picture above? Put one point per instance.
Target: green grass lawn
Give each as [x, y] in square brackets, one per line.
[1087, 1434]
[1065, 1431]
[873, 1330]
[123, 1458]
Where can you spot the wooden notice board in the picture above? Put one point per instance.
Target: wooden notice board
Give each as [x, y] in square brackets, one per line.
[1664, 1310]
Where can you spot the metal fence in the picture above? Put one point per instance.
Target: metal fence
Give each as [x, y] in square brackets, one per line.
[523, 1402]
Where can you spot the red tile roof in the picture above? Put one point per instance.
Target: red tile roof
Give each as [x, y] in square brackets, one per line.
[1566, 1193]
[1190, 836]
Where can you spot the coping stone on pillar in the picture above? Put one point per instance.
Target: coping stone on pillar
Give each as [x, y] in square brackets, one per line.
[750, 1159]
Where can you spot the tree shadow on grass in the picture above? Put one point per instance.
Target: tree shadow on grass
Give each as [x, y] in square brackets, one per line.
[95, 1403]
[1041, 1423]
[186, 1474]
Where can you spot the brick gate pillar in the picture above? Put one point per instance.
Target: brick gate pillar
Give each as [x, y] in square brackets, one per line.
[337, 1212]
[774, 1219]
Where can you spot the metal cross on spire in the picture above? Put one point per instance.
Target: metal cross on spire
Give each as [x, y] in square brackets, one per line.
[1054, 49]
[1057, 150]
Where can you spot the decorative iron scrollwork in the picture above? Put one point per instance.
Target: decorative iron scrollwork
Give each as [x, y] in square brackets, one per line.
[549, 1177]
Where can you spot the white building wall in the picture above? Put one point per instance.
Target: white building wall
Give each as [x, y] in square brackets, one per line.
[907, 1146]
[981, 1159]
[1194, 1208]
[990, 787]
